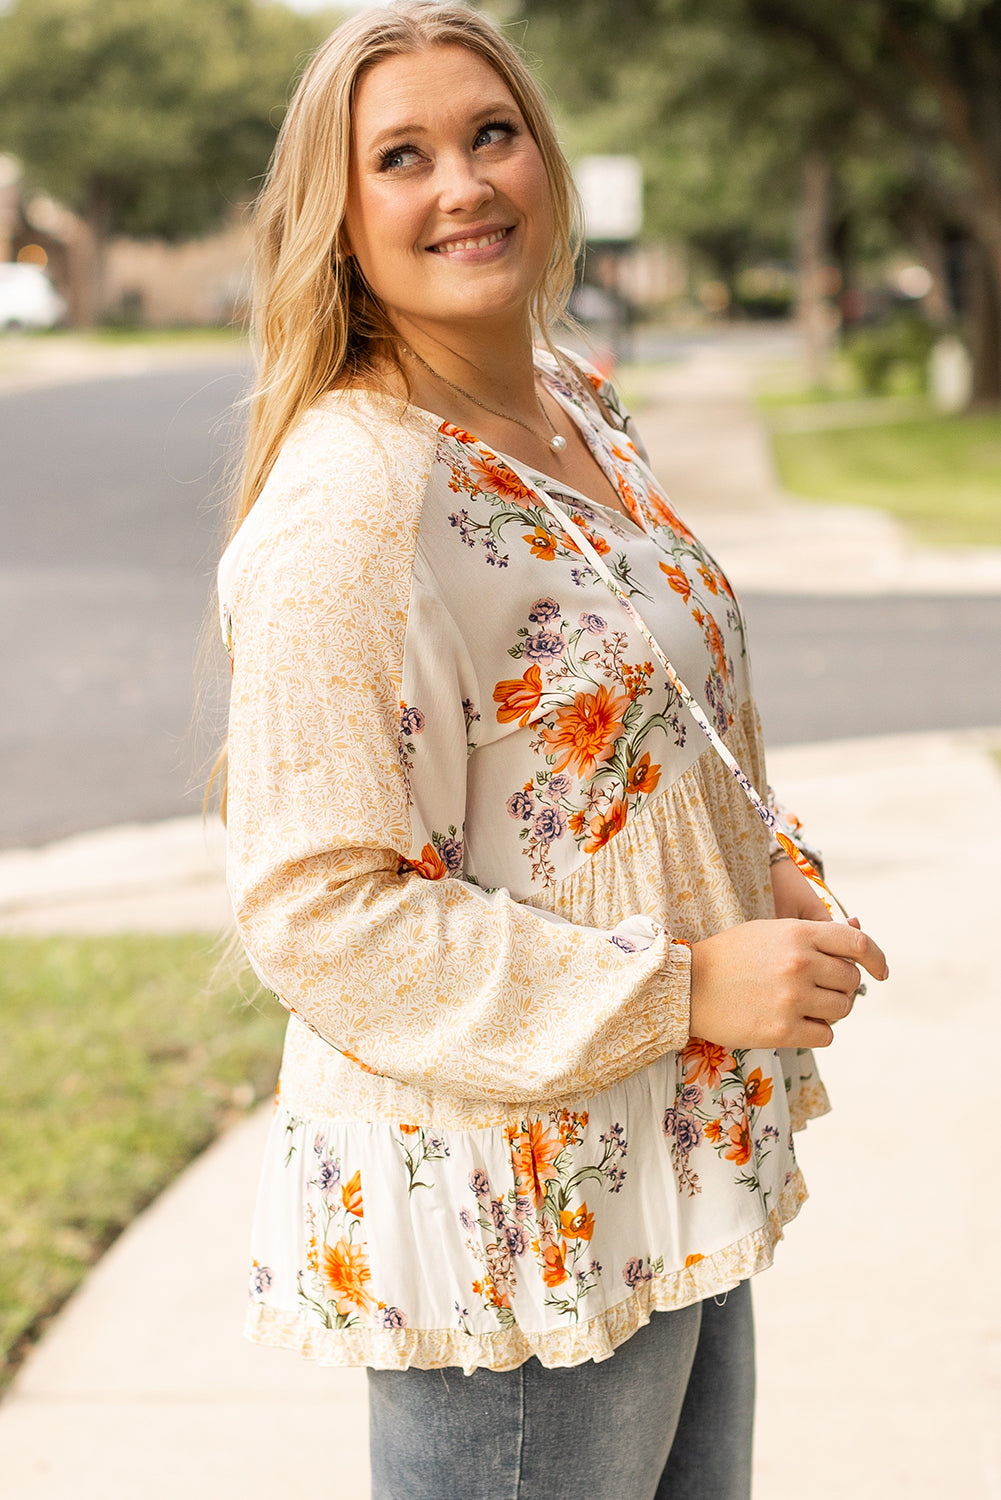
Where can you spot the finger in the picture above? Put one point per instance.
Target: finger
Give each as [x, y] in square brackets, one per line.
[836, 974]
[830, 1006]
[854, 922]
[842, 941]
[814, 1032]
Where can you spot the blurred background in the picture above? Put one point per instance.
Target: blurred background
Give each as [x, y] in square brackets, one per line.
[821, 202]
[793, 269]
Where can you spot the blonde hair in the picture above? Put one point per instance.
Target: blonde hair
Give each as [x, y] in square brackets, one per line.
[316, 324]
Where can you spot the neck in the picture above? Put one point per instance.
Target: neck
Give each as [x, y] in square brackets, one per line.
[496, 367]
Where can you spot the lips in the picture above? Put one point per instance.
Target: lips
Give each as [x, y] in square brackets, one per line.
[470, 242]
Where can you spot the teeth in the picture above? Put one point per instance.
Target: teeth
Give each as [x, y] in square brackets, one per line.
[485, 239]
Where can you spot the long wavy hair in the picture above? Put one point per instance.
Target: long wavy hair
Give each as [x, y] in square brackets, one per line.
[316, 324]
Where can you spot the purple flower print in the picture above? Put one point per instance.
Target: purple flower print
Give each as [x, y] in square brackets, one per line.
[261, 1279]
[451, 852]
[544, 610]
[545, 647]
[462, 521]
[685, 1129]
[411, 721]
[633, 1272]
[624, 944]
[557, 788]
[516, 1239]
[550, 824]
[328, 1175]
[391, 1317]
[480, 1183]
[593, 624]
[466, 1220]
[689, 1134]
[497, 1214]
[521, 805]
[690, 1096]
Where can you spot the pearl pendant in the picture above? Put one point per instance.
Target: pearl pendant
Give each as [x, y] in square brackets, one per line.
[557, 443]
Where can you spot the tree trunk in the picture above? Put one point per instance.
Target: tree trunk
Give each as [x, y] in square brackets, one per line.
[813, 311]
[86, 252]
[984, 323]
[929, 243]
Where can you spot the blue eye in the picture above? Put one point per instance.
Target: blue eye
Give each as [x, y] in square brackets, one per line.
[493, 133]
[392, 158]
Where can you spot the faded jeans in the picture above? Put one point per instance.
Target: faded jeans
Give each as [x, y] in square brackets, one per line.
[668, 1417]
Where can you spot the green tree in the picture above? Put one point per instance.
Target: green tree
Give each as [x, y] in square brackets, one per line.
[900, 98]
[144, 119]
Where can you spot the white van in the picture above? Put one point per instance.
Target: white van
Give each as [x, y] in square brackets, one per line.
[27, 298]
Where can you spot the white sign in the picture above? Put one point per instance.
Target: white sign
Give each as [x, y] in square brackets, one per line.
[612, 190]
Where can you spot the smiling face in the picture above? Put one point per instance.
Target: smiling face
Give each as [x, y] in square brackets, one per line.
[449, 210]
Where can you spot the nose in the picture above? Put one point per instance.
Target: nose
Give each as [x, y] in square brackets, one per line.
[463, 185]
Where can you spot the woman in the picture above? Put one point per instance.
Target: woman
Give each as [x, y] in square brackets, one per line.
[532, 1125]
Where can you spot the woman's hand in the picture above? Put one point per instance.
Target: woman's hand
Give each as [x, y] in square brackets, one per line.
[794, 895]
[781, 983]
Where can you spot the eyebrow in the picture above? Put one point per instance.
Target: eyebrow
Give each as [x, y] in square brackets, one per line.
[400, 132]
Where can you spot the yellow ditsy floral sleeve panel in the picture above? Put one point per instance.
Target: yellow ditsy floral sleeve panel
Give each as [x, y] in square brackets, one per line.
[350, 918]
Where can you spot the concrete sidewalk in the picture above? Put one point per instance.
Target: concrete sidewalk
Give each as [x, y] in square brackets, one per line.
[879, 1326]
[711, 450]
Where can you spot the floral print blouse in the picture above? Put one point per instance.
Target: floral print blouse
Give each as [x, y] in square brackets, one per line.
[471, 837]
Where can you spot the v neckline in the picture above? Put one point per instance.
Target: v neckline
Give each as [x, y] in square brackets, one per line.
[581, 420]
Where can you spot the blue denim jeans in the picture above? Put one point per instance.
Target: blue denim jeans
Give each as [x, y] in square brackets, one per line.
[668, 1417]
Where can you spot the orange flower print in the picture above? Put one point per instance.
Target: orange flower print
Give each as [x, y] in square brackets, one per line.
[586, 729]
[554, 1271]
[430, 865]
[542, 544]
[501, 480]
[606, 825]
[714, 1130]
[597, 542]
[740, 1137]
[450, 430]
[666, 516]
[678, 579]
[643, 777]
[534, 1152]
[579, 1225]
[714, 640]
[706, 1062]
[629, 499]
[351, 1196]
[346, 1272]
[518, 696]
[693, 1260]
[709, 579]
[577, 821]
[757, 1089]
[409, 1129]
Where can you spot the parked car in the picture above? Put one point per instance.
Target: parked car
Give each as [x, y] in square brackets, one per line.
[27, 298]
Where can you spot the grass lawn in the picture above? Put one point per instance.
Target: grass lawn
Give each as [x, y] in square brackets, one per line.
[940, 475]
[120, 1059]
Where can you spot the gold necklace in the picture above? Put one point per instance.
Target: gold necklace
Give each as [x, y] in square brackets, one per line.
[556, 443]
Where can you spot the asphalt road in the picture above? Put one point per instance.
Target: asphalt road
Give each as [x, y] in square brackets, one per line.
[110, 512]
